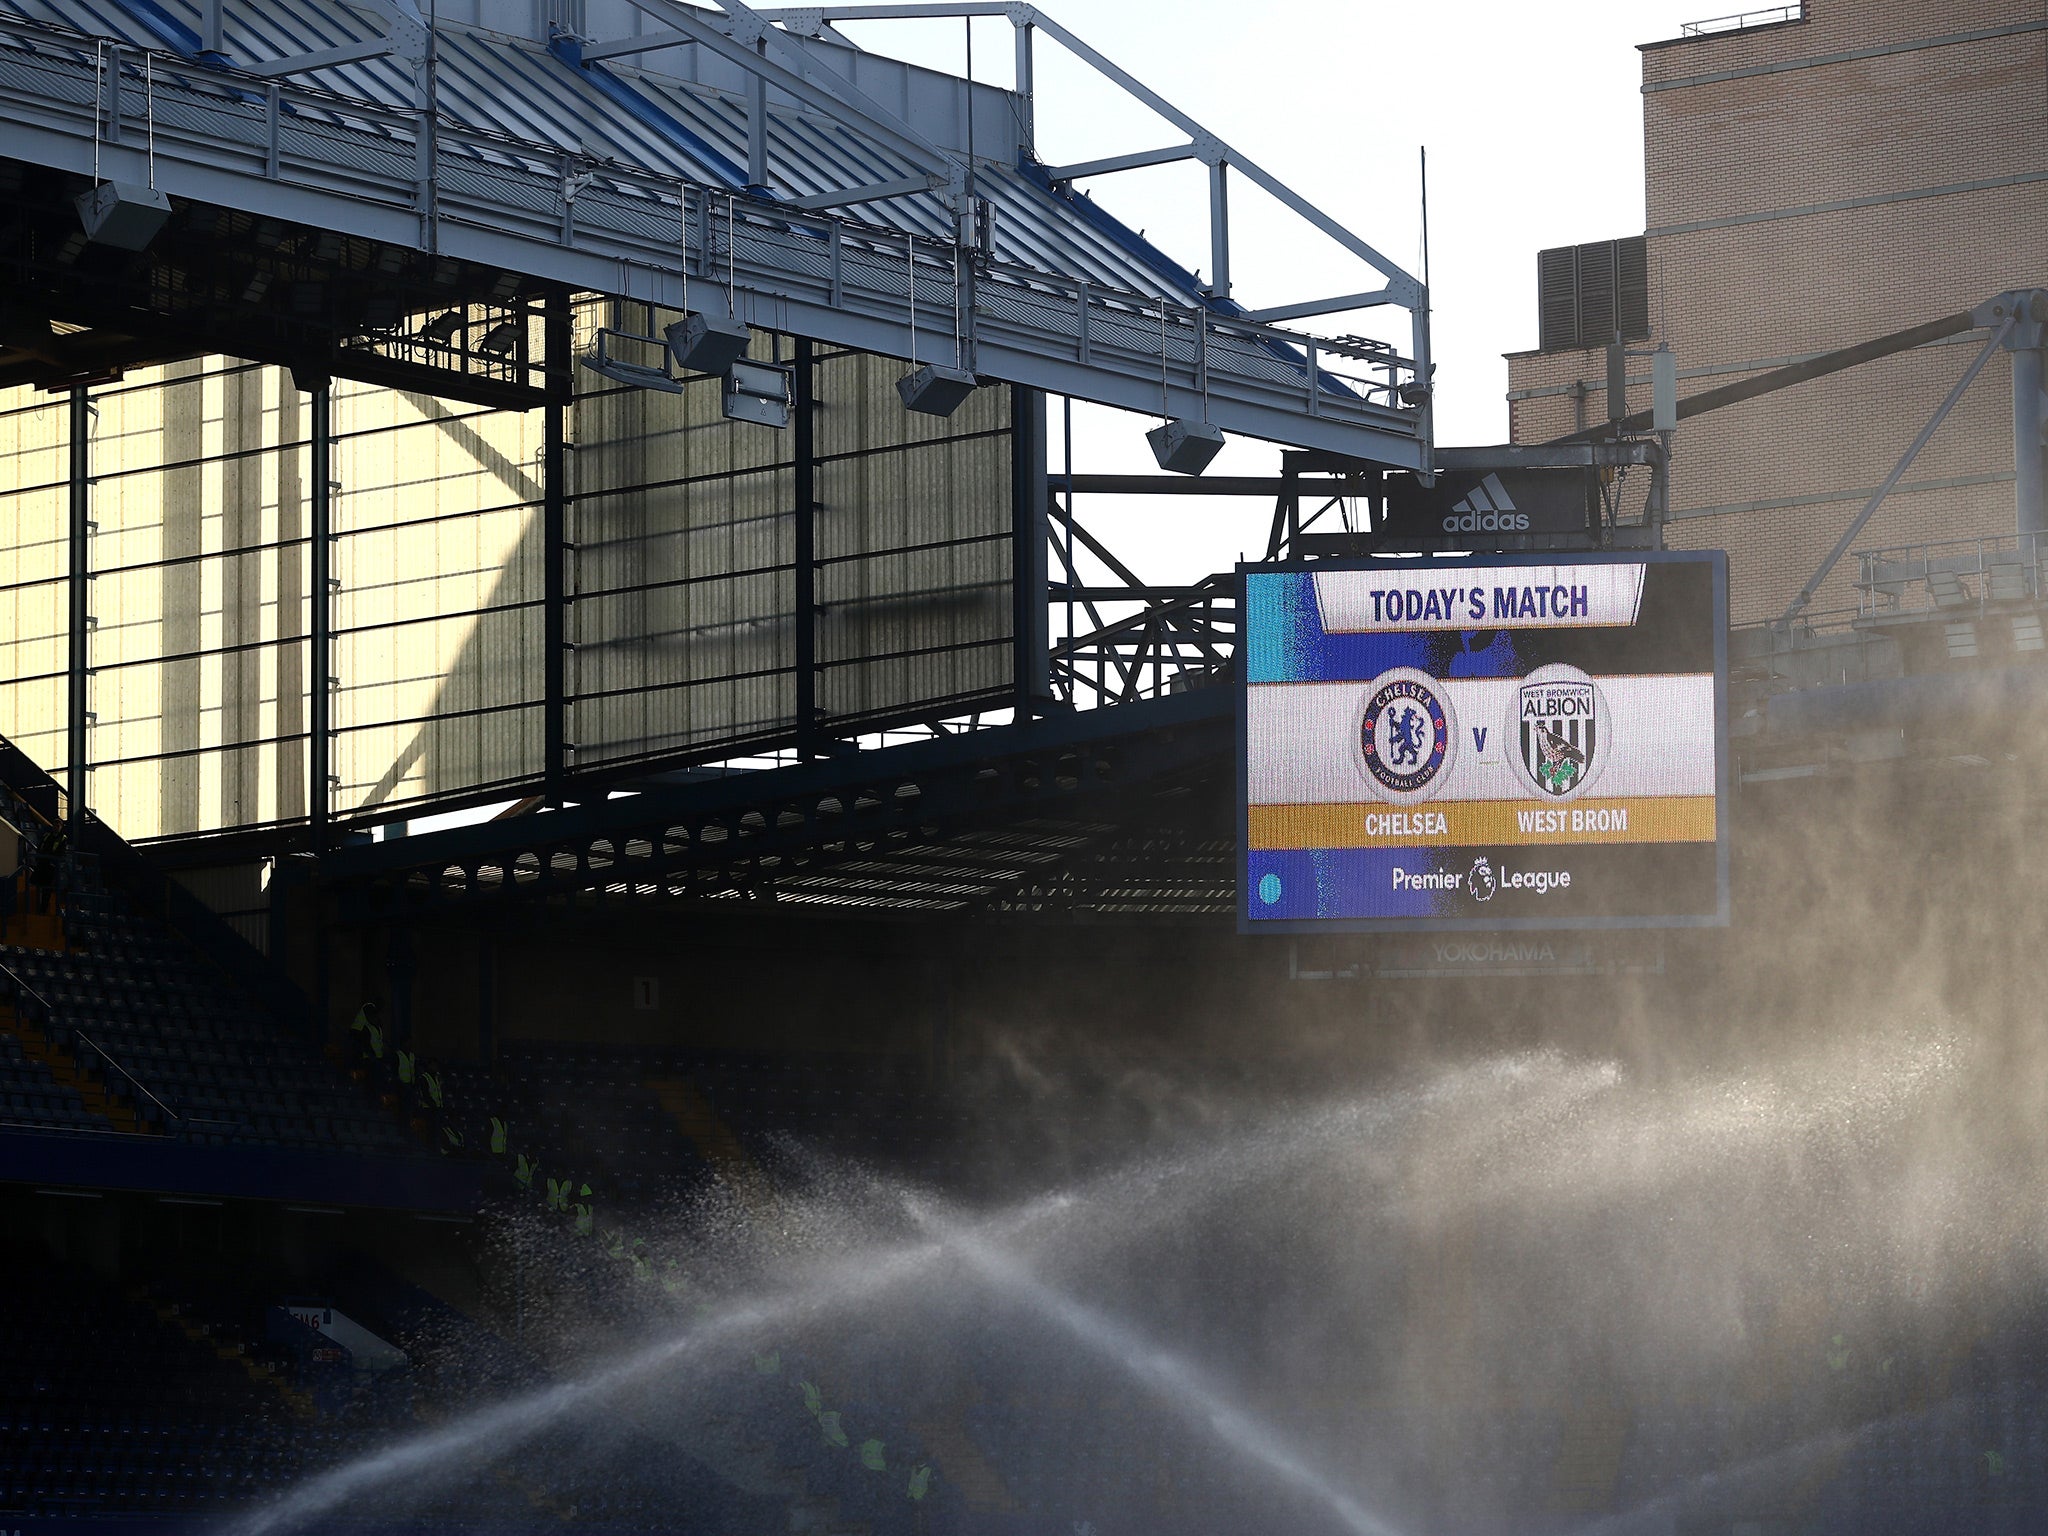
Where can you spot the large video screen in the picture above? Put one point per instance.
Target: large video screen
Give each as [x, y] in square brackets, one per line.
[1484, 743]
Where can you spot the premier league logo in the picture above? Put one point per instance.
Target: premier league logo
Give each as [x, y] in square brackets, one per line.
[1561, 725]
[1407, 734]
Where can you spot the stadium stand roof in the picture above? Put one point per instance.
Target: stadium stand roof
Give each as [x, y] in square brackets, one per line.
[556, 161]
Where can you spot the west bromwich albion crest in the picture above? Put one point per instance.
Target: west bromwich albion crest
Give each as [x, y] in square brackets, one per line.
[1561, 728]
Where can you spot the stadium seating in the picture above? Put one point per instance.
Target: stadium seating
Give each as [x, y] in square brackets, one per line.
[129, 1024]
[203, 1061]
[194, 1425]
[31, 1096]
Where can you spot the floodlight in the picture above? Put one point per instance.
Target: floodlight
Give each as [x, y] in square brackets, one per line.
[619, 371]
[935, 390]
[758, 392]
[442, 328]
[122, 215]
[499, 338]
[708, 343]
[1185, 447]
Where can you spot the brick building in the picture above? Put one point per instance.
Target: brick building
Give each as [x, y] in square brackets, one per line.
[1817, 176]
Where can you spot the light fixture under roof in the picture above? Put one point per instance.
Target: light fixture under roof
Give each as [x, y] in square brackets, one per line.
[603, 361]
[499, 339]
[442, 329]
[758, 392]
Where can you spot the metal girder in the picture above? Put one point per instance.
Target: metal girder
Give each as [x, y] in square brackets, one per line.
[1408, 288]
[1280, 412]
[1206, 485]
[1030, 16]
[881, 191]
[78, 589]
[1302, 311]
[1401, 288]
[935, 10]
[1548, 455]
[1912, 452]
[347, 53]
[1783, 378]
[1113, 163]
[646, 42]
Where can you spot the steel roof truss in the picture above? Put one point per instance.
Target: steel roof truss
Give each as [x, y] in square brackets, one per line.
[1400, 288]
[1136, 160]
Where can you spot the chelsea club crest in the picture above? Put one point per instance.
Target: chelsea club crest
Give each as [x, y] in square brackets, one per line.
[1407, 734]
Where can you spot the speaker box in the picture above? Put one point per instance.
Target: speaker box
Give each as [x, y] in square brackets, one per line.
[936, 391]
[123, 216]
[708, 343]
[1185, 447]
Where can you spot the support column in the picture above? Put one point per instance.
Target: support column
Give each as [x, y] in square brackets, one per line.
[1029, 494]
[78, 584]
[559, 340]
[1219, 229]
[1026, 93]
[320, 713]
[803, 401]
[2029, 453]
[757, 125]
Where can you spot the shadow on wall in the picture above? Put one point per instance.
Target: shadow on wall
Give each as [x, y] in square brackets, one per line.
[682, 532]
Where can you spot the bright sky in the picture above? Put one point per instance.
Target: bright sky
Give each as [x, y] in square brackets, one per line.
[1531, 114]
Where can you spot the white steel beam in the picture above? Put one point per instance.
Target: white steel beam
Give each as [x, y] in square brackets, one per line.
[1110, 164]
[1398, 279]
[346, 53]
[1339, 305]
[880, 191]
[1404, 289]
[646, 42]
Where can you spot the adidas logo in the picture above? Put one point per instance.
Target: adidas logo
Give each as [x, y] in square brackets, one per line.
[1489, 509]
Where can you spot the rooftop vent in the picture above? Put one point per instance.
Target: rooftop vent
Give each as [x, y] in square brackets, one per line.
[1585, 293]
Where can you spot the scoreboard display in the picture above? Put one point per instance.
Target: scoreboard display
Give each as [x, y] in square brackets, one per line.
[1494, 742]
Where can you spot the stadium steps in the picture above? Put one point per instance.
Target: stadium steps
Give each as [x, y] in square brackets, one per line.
[98, 1099]
[234, 1353]
[684, 1102]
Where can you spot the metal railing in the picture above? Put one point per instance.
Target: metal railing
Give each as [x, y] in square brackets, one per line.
[1948, 575]
[1772, 636]
[417, 175]
[1742, 21]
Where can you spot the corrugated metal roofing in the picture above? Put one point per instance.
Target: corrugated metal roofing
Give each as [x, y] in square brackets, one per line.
[519, 89]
